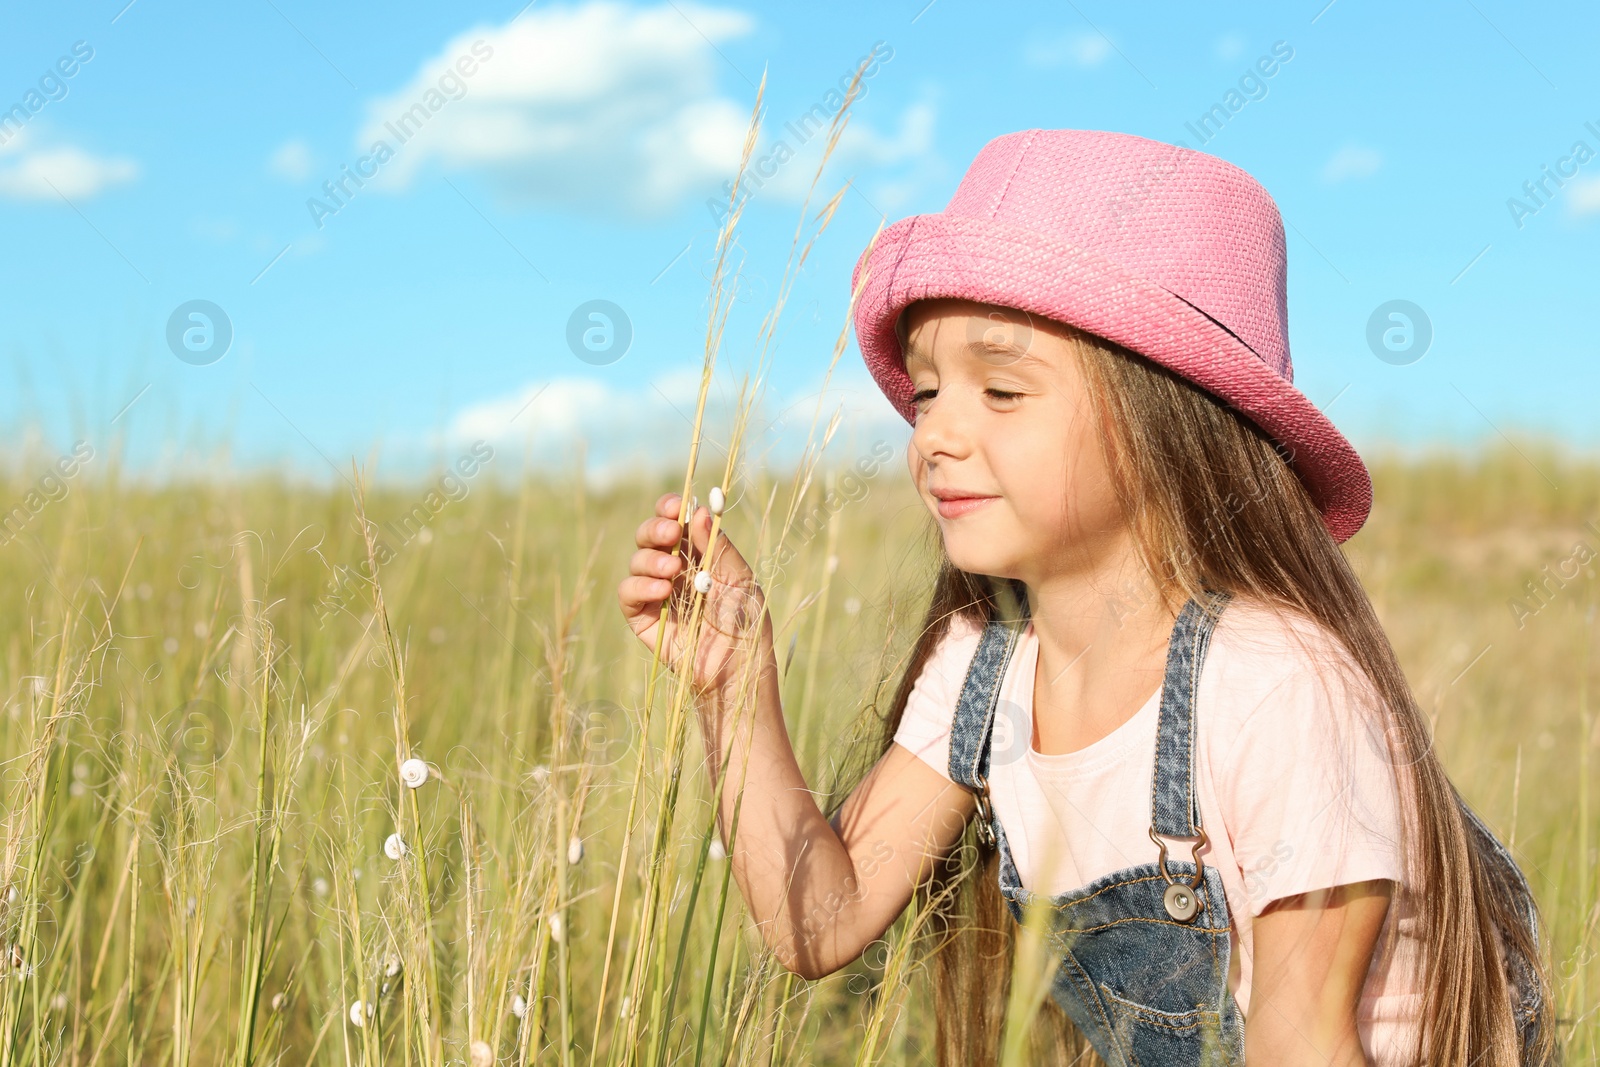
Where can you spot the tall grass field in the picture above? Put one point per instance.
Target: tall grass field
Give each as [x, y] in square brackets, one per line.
[217, 851]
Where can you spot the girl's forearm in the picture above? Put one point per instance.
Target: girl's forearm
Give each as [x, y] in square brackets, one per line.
[790, 863]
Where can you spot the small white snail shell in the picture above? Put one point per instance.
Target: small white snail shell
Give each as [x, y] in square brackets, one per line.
[278, 1000]
[702, 582]
[575, 851]
[414, 772]
[394, 846]
[360, 1012]
[718, 851]
[482, 1054]
[557, 930]
[718, 501]
[519, 1007]
[392, 966]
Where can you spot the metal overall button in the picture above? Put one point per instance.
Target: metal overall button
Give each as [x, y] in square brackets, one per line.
[1182, 900]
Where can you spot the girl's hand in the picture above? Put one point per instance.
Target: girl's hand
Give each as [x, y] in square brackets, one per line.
[735, 624]
[819, 892]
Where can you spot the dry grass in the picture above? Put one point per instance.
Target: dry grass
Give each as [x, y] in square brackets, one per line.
[199, 779]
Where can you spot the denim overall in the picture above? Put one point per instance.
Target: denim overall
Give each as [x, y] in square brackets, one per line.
[1145, 950]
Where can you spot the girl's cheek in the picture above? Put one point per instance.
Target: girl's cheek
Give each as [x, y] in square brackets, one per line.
[914, 464]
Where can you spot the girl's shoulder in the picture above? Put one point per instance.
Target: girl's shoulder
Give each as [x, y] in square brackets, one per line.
[925, 721]
[937, 686]
[1267, 657]
[952, 654]
[1276, 641]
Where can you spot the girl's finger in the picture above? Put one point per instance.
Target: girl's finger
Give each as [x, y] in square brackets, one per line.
[639, 595]
[653, 563]
[657, 533]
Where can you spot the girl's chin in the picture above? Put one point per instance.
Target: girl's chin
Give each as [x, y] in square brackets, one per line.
[976, 558]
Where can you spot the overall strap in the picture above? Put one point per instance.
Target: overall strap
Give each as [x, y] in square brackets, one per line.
[1174, 803]
[980, 693]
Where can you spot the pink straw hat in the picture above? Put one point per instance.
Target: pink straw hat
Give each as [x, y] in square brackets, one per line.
[1168, 252]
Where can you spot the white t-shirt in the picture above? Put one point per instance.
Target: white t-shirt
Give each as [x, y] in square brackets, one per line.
[1295, 784]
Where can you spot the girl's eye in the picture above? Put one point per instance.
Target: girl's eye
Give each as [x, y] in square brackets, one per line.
[928, 394]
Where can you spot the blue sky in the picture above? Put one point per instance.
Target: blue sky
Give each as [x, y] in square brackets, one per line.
[185, 156]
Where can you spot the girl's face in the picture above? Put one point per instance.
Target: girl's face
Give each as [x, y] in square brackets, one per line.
[1006, 448]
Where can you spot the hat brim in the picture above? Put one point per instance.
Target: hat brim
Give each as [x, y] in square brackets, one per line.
[984, 260]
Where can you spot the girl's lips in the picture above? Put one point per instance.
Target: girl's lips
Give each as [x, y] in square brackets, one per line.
[955, 507]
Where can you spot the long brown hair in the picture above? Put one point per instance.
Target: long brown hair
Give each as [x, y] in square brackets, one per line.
[1214, 504]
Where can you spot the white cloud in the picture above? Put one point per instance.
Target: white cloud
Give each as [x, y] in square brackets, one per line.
[603, 106]
[1081, 48]
[646, 430]
[610, 109]
[29, 173]
[1352, 161]
[860, 148]
[1584, 197]
[864, 413]
[292, 160]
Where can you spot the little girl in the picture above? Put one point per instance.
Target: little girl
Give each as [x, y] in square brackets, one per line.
[1148, 678]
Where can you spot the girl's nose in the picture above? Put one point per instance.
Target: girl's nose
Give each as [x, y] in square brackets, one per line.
[939, 431]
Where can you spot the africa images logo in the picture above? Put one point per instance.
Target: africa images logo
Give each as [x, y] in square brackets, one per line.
[52, 86]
